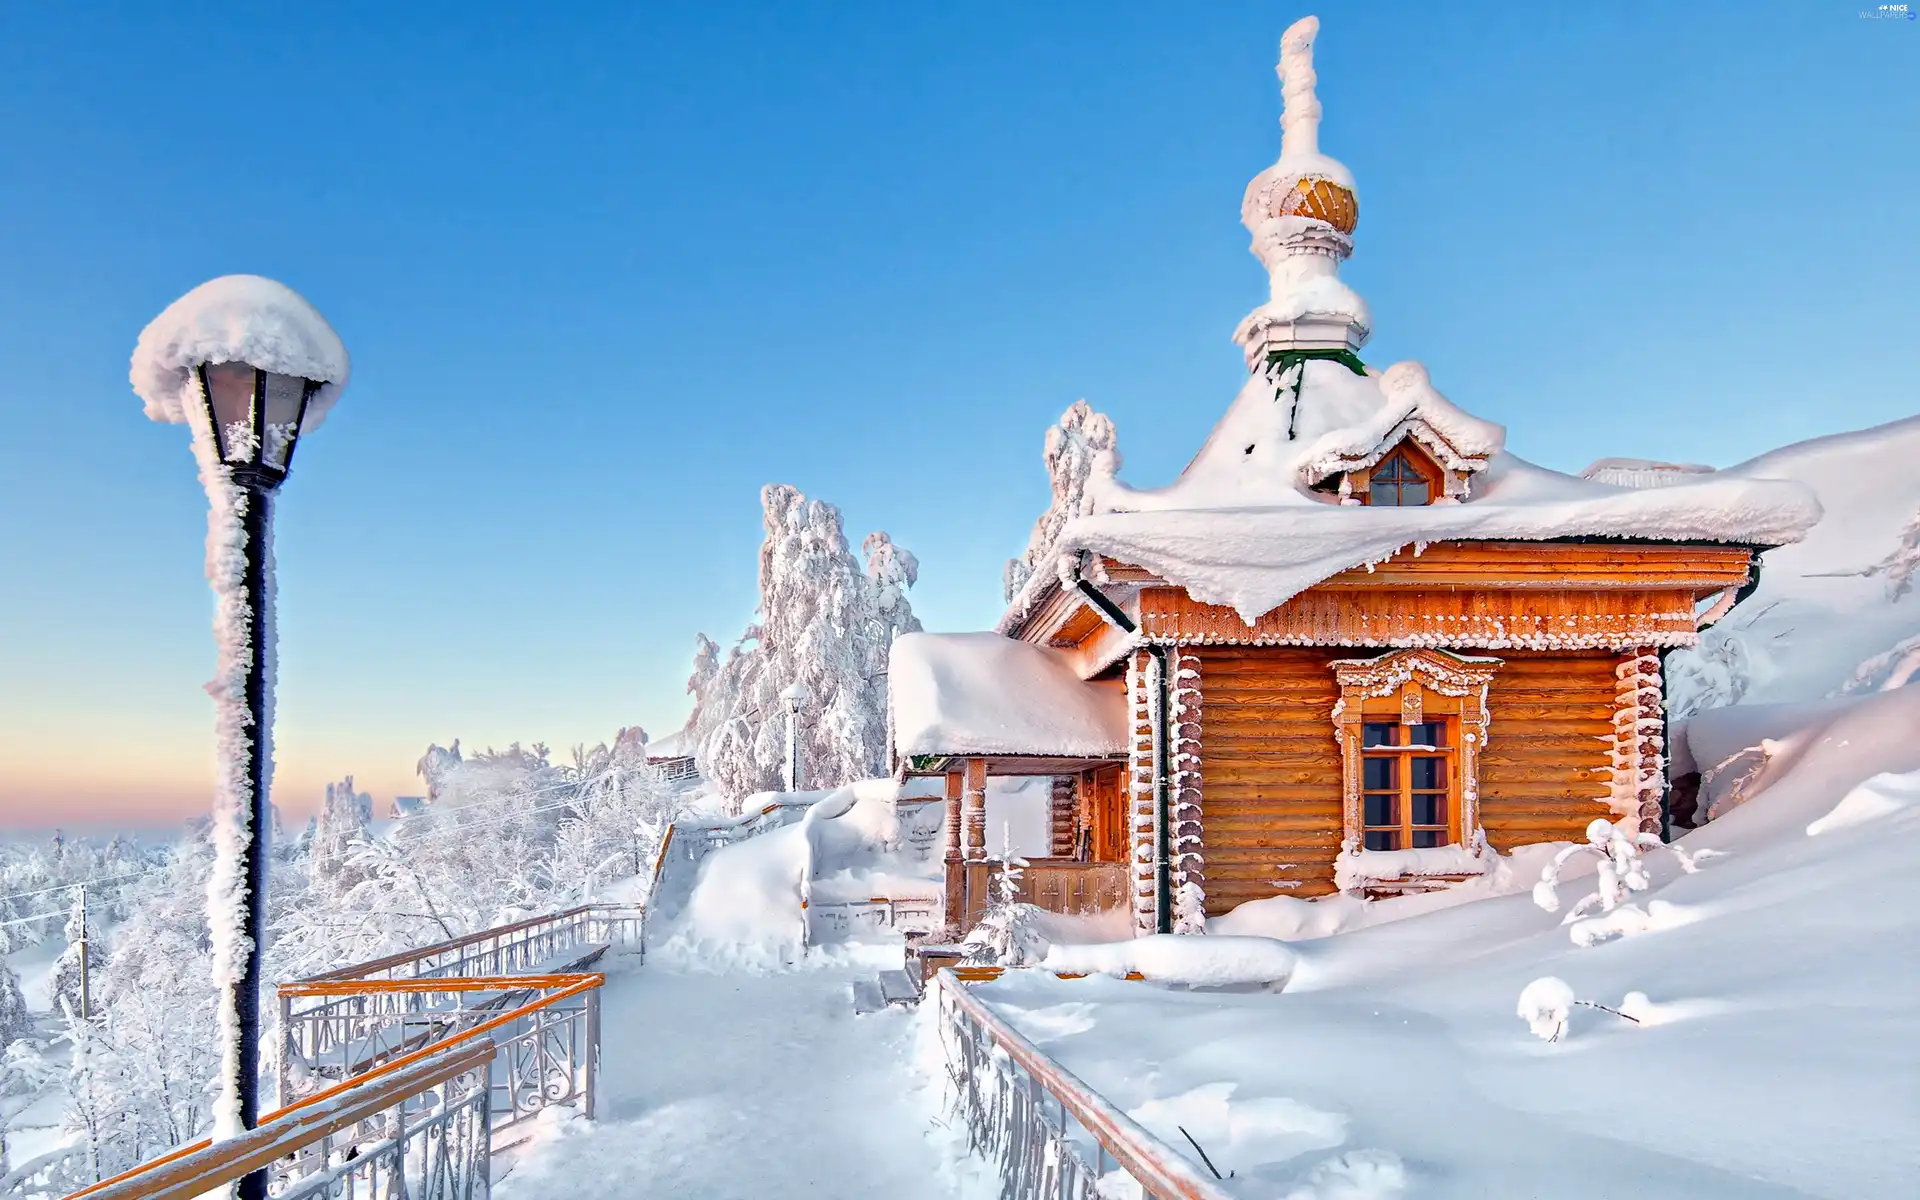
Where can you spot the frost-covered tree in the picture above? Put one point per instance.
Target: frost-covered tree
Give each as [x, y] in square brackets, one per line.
[1902, 563]
[346, 818]
[1082, 439]
[436, 764]
[826, 621]
[15, 1021]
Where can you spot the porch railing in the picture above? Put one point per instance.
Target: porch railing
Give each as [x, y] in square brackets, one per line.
[398, 1075]
[523, 947]
[416, 1128]
[1048, 1133]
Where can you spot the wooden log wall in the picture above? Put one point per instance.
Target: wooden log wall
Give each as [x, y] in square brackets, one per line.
[1639, 738]
[1547, 768]
[1060, 816]
[1272, 773]
[1143, 686]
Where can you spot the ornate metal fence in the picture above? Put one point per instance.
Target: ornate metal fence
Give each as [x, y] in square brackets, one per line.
[545, 1029]
[414, 1130]
[522, 948]
[1049, 1134]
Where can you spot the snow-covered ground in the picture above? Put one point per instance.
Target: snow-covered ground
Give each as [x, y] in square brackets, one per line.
[748, 1084]
[1774, 1055]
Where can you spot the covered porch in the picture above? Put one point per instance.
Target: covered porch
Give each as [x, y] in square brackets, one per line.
[969, 707]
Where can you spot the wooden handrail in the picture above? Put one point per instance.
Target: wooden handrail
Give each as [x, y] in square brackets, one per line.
[402, 1063]
[194, 1170]
[1163, 1171]
[457, 983]
[361, 970]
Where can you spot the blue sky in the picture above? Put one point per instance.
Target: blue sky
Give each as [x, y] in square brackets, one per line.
[606, 270]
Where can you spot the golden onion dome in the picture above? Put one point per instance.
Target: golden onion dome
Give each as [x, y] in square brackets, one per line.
[1321, 199]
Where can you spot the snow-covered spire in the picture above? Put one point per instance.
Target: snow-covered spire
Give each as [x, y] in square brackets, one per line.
[1301, 212]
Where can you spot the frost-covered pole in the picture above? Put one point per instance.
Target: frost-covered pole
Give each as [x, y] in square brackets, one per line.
[248, 366]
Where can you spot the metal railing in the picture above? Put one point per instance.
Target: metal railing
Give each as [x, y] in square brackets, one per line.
[414, 1130]
[901, 914]
[524, 947]
[1048, 1133]
[340, 1023]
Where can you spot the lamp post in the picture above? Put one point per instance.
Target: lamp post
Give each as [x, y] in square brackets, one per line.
[795, 697]
[249, 367]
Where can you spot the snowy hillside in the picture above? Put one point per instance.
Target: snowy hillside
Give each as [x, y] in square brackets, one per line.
[1818, 614]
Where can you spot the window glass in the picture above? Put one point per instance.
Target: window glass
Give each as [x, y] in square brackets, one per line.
[1380, 773]
[1429, 809]
[1380, 810]
[1383, 839]
[1377, 733]
[1425, 838]
[1429, 774]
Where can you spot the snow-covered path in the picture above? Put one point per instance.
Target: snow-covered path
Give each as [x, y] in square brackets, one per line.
[738, 1086]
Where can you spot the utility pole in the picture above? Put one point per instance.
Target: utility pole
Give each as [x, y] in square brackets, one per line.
[86, 1002]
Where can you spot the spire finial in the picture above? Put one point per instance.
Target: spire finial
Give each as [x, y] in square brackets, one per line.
[1300, 112]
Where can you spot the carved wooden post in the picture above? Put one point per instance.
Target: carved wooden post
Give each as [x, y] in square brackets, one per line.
[974, 803]
[956, 879]
[1189, 827]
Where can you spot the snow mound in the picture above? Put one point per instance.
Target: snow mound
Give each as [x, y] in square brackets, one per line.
[981, 693]
[1250, 1133]
[750, 897]
[1194, 960]
[1821, 610]
[237, 318]
[1881, 796]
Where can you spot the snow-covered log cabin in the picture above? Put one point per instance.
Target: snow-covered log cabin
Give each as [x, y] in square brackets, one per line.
[1352, 646]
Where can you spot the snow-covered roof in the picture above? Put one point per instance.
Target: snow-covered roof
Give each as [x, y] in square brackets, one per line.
[1643, 472]
[237, 318]
[1255, 556]
[671, 746]
[981, 693]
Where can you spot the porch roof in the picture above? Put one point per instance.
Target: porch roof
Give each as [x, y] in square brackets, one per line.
[985, 695]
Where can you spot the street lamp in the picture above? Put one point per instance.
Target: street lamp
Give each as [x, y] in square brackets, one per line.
[248, 366]
[794, 698]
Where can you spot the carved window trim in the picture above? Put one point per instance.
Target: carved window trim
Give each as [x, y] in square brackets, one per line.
[1414, 683]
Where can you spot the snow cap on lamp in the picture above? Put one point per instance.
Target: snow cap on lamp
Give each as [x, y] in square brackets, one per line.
[1301, 212]
[237, 318]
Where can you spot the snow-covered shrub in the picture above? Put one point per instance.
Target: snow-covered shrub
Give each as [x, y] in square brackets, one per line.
[1544, 1006]
[1547, 1003]
[1009, 933]
[1619, 873]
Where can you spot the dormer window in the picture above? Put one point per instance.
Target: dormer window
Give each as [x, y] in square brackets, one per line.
[1396, 483]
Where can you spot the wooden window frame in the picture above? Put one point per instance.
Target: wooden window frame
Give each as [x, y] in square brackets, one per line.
[1388, 712]
[1408, 686]
[1431, 477]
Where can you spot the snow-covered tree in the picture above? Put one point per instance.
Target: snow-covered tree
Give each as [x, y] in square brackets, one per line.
[1081, 439]
[346, 818]
[15, 1021]
[825, 621]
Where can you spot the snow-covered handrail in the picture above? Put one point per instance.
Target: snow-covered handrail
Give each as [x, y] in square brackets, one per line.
[1039, 1156]
[383, 1139]
[505, 949]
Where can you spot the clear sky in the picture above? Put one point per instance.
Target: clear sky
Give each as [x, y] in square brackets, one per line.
[606, 269]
